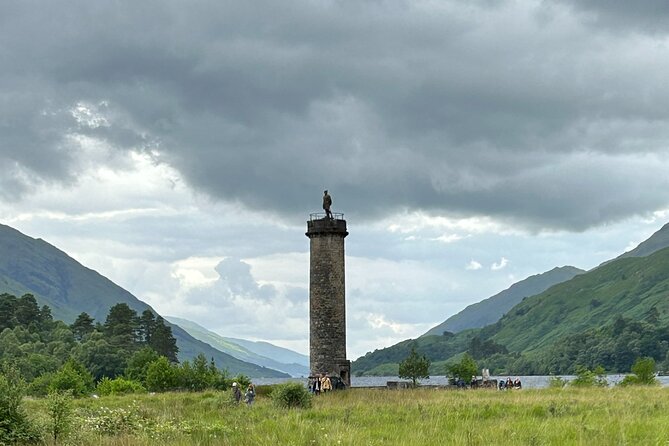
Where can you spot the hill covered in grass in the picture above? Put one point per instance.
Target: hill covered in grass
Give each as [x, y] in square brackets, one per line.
[490, 310]
[29, 265]
[629, 291]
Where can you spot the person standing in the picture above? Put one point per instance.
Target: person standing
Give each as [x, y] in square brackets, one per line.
[236, 392]
[327, 202]
[316, 387]
[326, 383]
[250, 395]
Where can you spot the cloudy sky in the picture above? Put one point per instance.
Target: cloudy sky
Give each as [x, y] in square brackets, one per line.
[179, 147]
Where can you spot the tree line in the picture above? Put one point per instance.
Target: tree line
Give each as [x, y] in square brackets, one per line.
[127, 351]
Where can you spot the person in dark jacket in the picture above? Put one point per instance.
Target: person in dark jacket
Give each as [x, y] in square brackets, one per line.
[236, 392]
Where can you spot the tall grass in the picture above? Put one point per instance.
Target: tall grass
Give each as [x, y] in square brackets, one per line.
[590, 416]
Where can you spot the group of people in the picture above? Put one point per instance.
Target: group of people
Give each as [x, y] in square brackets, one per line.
[320, 384]
[249, 395]
[509, 384]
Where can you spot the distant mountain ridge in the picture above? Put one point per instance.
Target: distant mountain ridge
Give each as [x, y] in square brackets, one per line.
[659, 240]
[551, 328]
[490, 310]
[29, 265]
[248, 351]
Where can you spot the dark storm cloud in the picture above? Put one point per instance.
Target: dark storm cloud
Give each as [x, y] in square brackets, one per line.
[516, 110]
[645, 16]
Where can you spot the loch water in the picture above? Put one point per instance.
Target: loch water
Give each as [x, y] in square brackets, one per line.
[529, 382]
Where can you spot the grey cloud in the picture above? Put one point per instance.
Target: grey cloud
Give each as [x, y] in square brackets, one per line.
[645, 16]
[391, 105]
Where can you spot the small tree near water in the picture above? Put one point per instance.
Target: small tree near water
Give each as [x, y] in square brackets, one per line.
[644, 373]
[464, 369]
[414, 367]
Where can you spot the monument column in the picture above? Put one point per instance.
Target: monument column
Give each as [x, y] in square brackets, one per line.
[327, 295]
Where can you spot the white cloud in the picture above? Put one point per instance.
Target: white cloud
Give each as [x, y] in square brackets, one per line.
[500, 265]
[473, 265]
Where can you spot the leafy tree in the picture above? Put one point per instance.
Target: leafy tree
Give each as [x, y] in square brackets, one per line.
[15, 427]
[82, 326]
[464, 369]
[163, 342]
[482, 349]
[161, 375]
[138, 364]
[644, 373]
[101, 357]
[74, 377]
[414, 367]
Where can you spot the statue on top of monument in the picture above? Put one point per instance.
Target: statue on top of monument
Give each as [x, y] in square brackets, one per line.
[327, 202]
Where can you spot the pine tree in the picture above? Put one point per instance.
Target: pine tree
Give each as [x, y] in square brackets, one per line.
[121, 327]
[163, 342]
[147, 323]
[27, 311]
[82, 326]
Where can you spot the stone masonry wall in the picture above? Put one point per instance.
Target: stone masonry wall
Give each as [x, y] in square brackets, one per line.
[327, 302]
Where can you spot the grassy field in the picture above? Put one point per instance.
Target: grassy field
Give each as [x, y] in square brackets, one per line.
[613, 416]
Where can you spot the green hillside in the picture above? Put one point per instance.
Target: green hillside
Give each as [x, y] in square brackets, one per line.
[631, 292]
[242, 352]
[34, 266]
[490, 310]
[628, 287]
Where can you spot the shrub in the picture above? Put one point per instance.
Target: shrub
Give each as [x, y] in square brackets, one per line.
[464, 370]
[557, 382]
[40, 385]
[162, 376]
[241, 380]
[265, 390]
[291, 395]
[119, 386]
[644, 373]
[59, 407]
[15, 427]
[589, 378]
[74, 377]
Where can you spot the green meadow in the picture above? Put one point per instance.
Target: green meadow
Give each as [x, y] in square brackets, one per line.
[589, 416]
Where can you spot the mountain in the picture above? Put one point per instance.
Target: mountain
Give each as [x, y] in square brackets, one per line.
[659, 240]
[628, 287]
[261, 353]
[576, 320]
[34, 266]
[490, 310]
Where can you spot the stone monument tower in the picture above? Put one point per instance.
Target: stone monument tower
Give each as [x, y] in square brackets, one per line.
[327, 308]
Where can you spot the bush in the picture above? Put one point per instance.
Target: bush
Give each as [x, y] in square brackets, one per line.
[73, 377]
[644, 373]
[40, 385]
[464, 370]
[119, 386]
[291, 395]
[162, 376]
[241, 380]
[59, 407]
[557, 382]
[15, 427]
[589, 378]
